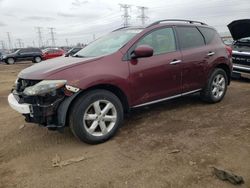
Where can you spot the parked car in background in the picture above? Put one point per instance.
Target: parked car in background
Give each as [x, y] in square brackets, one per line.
[72, 51]
[240, 31]
[2, 52]
[23, 54]
[52, 53]
[128, 68]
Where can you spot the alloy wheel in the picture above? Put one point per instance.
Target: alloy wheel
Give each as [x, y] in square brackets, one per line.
[100, 118]
[218, 86]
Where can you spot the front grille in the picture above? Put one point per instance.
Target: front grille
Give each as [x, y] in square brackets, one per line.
[23, 83]
[241, 59]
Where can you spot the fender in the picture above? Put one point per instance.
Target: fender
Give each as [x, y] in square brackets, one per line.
[63, 109]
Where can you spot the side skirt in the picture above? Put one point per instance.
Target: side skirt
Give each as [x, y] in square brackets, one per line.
[167, 98]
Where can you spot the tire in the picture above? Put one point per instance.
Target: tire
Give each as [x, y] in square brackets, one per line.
[37, 59]
[10, 61]
[99, 109]
[216, 87]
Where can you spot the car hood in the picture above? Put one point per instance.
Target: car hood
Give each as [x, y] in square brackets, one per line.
[9, 54]
[239, 29]
[46, 68]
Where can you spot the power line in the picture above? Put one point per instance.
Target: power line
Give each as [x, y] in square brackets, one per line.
[40, 39]
[126, 15]
[142, 16]
[52, 33]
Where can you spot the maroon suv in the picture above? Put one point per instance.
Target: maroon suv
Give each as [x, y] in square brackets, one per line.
[128, 68]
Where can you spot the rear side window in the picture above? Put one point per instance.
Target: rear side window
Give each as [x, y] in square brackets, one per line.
[161, 40]
[36, 50]
[208, 33]
[190, 37]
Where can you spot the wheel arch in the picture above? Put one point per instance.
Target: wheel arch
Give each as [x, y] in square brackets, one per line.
[65, 108]
[227, 69]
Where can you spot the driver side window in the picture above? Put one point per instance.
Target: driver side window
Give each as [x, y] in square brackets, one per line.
[161, 40]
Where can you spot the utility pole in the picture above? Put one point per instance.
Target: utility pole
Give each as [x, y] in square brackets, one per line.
[52, 33]
[19, 43]
[40, 39]
[142, 16]
[9, 40]
[33, 42]
[125, 15]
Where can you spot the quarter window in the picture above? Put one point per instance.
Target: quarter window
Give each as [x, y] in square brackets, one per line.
[161, 40]
[208, 33]
[190, 37]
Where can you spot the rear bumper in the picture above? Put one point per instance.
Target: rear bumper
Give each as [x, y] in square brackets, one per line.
[21, 108]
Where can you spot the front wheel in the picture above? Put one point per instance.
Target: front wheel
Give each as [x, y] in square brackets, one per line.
[216, 87]
[10, 61]
[96, 116]
[37, 59]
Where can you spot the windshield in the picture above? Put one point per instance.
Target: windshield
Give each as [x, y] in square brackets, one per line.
[107, 44]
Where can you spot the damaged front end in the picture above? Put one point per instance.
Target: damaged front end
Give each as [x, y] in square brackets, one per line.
[47, 101]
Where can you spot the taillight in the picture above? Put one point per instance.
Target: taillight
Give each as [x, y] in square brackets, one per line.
[229, 51]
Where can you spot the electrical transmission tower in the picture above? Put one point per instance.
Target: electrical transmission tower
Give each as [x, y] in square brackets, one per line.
[19, 41]
[52, 34]
[142, 16]
[9, 40]
[67, 42]
[125, 15]
[2, 44]
[40, 39]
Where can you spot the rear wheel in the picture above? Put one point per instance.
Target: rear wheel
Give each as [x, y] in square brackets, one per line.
[10, 61]
[96, 116]
[37, 59]
[216, 87]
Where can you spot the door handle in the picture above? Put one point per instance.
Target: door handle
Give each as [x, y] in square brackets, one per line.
[210, 53]
[174, 62]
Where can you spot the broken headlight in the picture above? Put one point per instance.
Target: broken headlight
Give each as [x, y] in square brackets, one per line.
[43, 87]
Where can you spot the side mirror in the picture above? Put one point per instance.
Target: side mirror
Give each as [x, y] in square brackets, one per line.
[142, 51]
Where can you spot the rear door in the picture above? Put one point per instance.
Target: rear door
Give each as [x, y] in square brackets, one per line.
[156, 77]
[194, 58]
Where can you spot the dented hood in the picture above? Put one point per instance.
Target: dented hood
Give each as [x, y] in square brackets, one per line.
[46, 68]
[239, 29]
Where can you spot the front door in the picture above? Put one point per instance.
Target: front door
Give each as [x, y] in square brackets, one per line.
[157, 77]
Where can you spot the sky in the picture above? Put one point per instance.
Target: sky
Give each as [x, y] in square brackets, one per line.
[83, 20]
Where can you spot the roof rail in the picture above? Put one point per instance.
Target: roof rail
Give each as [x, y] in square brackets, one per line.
[119, 28]
[176, 20]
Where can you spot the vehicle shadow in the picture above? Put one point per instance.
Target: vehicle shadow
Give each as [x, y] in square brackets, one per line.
[170, 105]
[242, 79]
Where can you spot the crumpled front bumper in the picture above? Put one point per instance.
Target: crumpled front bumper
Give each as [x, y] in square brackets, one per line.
[21, 108]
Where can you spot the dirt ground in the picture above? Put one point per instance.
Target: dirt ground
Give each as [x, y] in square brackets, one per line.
[140, 154]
